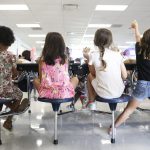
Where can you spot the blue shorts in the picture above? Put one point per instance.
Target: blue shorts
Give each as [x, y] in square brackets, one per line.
[142, 90]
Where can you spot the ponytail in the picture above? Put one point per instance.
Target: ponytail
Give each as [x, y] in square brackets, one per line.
[102, 50]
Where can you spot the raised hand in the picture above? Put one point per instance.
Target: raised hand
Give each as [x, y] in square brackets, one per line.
[134, 24]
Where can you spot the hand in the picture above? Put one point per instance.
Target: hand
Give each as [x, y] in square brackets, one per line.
[134, 24]
[86, 51]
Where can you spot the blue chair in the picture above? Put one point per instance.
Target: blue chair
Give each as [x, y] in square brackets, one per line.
[113, 104]
[55, 105]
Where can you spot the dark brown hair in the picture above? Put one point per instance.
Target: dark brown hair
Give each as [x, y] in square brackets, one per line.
[54, 48]
[27, 55]
[145, 45]
[103, 39]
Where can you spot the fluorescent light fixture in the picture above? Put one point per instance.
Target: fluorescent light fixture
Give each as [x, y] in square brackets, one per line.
[70, 33]
[130, 42]
[88, 35]
[99, 25]
[40, 42]
[14, 7]
[28, 25]
[111, 7]
[36, 35]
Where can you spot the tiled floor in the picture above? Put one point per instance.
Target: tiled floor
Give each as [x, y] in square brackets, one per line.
[81, 130]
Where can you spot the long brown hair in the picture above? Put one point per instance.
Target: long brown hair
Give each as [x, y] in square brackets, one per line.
[103, 39]
[145, 45]
[54, 48]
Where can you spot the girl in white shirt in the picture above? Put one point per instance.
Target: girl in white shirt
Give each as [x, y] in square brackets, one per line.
[107, 69]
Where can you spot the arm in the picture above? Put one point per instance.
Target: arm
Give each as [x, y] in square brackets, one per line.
[40, 70]
[92, 70]
[123, 71]
[88, 57]
[14, 72]
[135, 27]
[14, 66]
[86, 53]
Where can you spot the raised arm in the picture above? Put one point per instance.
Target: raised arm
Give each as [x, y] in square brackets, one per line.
[135, 27]
[86, 51]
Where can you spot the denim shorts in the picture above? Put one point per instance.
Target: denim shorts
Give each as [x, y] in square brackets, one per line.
[142, 90]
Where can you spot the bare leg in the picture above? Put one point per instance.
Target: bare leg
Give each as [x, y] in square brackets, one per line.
[132, 105]
[74, 81]
[17, 94]
[91, 91]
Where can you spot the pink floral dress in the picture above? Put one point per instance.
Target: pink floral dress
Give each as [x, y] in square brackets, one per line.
[55, 81]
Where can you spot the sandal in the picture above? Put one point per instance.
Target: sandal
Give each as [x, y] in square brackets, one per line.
[91, 105]
[24, 104]
[8, 125]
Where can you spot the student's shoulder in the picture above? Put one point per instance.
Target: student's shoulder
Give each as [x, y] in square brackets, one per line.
[117, 53]
[94, 52]
[8, 55]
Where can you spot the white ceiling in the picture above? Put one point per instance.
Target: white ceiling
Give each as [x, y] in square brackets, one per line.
[51, 16]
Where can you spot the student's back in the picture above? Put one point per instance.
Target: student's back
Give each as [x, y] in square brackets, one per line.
[143, 65]
[7, 62]
[55, 82]
[109, 81]
[106, 66]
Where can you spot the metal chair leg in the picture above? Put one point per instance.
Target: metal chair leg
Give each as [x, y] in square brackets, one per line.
[0, 133]
[55, 128]
[113, 127]
[28, 89]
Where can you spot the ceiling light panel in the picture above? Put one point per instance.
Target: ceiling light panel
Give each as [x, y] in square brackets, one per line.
[36, 35]
[14, 7]
[28, 25]
[88, 35]
[99, 25]
[40, 42]
[130, 42]
[111, 7]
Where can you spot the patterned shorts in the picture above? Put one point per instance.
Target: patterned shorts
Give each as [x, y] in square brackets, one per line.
[142, 90]
[16, 94]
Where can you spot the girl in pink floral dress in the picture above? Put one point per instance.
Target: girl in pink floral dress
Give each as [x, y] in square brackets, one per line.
[54, 81]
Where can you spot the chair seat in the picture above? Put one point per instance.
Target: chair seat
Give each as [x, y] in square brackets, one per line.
[6, 100]
[122, 99]
[55, 100]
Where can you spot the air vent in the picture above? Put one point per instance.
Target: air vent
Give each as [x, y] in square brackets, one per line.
[37, 28]
[116, 25]
[70, 6]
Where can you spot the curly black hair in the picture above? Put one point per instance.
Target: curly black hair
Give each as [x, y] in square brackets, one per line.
[6, 36]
